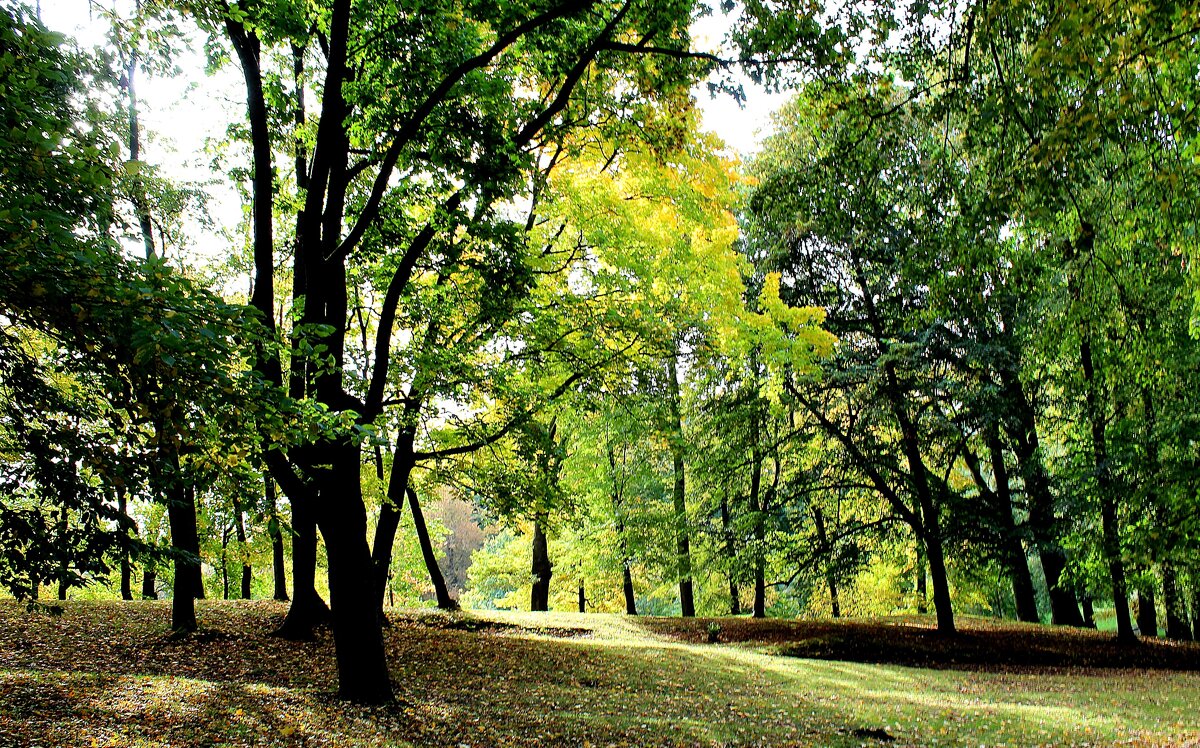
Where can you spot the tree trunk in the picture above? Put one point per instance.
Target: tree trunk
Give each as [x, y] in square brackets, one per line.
[1089, 615]
[1014, 552]
[1177, 625]
[239, 526]
[627, 588]
[582, 598]
[539, 595]
[278, 561]
[759, 607]
[126, 566]
[181, 516]
[922, 575]
[357, 636]
[1147, 614]
[1043, 523]
[392, 509]
[735, 602]
[1194, 579]
[64, 561]
[149, 580]
[683, 551]
[224, 564]
[440, 590]
[307, 610]
[827, 554]
[1109, 523]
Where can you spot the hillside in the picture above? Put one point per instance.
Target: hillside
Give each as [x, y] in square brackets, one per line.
[108, 674]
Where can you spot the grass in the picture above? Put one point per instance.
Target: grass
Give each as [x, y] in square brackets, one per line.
[108, 674]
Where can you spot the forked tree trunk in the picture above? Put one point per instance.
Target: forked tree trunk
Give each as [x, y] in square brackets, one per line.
[541, 569]
[308, 610]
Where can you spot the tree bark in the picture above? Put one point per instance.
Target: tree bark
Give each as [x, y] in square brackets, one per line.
[126, 566]
[239, 526]
[1147, 614]
[922, 575]
[541, 569]
[1014, 552]
[683, 551]
[429, 554]
[622, 541]
[357, 636]
[735, 602]
[827, 554]
[181, 516]
[582, 598]
[149, 580]
[307, 610]
[278, 560]
[1109, 522]
[1177, 625]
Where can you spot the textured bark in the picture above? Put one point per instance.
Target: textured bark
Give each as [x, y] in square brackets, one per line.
[541, 569]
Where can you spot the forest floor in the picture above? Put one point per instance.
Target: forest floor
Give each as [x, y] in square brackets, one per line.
[109, 674]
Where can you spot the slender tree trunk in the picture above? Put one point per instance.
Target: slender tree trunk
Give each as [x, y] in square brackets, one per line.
[759, 607]
[582, 597]
[225, 564]
[440, 590]
[1177, 625]
[922, 575]
[735, 602]
[239, 526]
[64, 561]
[278, 561]
[1194, 579]
[827, 555]
[140, 199]
[126, 566]
[683, 550]
[541, 569]
[623, 542]
[1014, 552]
[1109, 522]
[1089, 614]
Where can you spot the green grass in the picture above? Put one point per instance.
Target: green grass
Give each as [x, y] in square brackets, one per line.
[105, 674]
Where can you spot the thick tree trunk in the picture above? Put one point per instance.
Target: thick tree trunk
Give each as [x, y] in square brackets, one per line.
[1177, 625]
[735, 602]
[278, 561]
[429, 554]
[541, 569]
[181, 515]
[357, 636]
[1089, 614]
[827, 555]
[683, 547]
[1147, 614]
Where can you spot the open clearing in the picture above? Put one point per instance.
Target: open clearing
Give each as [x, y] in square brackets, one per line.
[108, 674]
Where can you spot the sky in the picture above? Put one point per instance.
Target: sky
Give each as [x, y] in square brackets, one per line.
[179, 115]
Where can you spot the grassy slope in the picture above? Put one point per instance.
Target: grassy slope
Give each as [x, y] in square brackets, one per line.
[106, 672]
